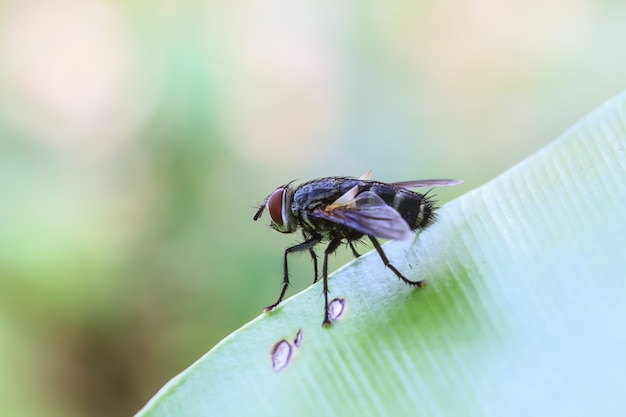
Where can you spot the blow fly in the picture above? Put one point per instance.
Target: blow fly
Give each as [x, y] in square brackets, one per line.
[345, 209]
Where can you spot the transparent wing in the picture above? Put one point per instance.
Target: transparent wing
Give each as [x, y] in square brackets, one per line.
[427, 183]
[368, 214]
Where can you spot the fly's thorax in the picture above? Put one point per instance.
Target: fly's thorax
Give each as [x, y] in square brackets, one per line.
[319, 193]
[278, 205]
[322, 191]
[301, 208]
[325, 229]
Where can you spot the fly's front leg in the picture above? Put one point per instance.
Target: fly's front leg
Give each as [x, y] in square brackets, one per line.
[306, 245]
[332, 246]
[385, 260]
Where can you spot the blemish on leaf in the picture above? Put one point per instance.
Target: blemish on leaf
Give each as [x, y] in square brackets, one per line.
[336, 308]
[281, 355]
[298, 340]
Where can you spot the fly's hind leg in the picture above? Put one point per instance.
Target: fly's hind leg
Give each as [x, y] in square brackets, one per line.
[388, 264]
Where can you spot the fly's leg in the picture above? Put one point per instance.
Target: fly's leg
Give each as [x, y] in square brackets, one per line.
[388, 264]
[354, 252]
[306, 245]
[313, 257]
[332, 246]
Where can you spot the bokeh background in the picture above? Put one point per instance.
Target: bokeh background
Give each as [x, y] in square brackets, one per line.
[137, 138]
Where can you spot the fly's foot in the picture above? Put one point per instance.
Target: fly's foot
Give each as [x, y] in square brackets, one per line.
[270, 308]
[418, 284]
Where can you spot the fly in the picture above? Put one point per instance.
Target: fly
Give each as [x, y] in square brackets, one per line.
[346, 209]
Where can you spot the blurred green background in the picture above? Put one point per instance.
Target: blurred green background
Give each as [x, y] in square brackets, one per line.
[137, 138]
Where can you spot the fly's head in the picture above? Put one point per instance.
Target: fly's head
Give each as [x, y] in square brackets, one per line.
[278, 204]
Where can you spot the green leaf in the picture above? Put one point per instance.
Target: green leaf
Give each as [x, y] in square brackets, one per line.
[524, 311]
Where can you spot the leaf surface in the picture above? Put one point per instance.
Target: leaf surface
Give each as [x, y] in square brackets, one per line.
[524, 311]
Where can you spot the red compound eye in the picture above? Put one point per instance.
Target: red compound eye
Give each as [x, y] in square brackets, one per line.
[275, 206]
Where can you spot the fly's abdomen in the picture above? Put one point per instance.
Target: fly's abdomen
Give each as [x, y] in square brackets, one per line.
[415, 208]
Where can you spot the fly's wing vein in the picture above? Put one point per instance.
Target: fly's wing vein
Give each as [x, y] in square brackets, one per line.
[427, 183]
